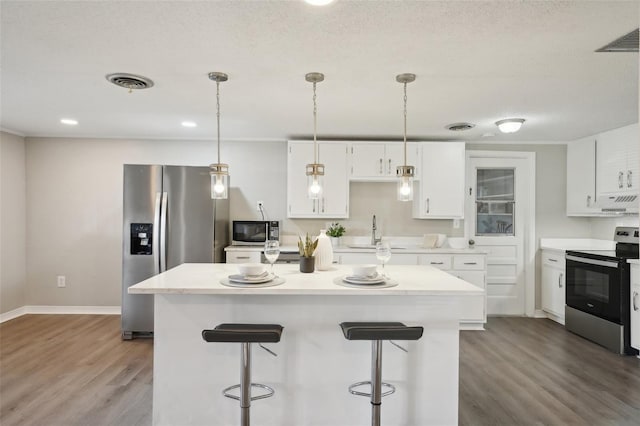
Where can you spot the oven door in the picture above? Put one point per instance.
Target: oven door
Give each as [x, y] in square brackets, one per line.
[593, 286]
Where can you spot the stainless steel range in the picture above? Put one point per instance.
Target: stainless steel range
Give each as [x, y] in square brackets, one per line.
[597, 287]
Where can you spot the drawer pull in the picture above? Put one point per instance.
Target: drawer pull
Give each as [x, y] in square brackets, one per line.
[242, 257]
[552, 260]
[470, 263]
[635, 307]
[436, 263]
[560, 280]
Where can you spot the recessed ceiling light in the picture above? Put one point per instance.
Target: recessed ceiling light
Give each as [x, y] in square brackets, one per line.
[510, 125]
[189, 124]
[318, 2]
[69, 121]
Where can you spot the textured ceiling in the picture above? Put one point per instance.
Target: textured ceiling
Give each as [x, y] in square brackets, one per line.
[475, 61]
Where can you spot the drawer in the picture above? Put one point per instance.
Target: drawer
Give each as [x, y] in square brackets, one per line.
[553, 258]
[440, 261]
[468, 262]
[243, 257]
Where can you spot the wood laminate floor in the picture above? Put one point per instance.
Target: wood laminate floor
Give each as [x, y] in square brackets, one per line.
[59, 370]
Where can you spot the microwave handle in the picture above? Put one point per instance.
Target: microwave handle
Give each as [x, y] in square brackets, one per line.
[593, 261]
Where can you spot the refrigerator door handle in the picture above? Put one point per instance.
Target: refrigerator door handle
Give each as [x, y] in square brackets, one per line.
[163, 233]
[156, 235]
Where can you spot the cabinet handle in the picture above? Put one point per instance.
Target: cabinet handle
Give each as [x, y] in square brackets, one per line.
[322, 204]
[620, 176]
[427, 205]
[552, 260]
[389, 169]
[314, 205]
[588, 200]
[436, 263]
[381, 167]
[470, 263]
[560, 280]
[635, 307]
[629, 174]
[242, 257]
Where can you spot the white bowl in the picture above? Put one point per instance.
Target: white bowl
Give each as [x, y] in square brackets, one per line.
[364, 270]
[251, 268]
[458, 242]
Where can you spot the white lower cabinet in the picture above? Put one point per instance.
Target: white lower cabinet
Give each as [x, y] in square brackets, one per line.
[635, 306]
[553, 284]
[243, 256]
[370, 257]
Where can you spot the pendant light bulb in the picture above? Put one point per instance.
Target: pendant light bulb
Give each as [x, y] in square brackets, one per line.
[219, 171]
[315, 170]
[405, 173]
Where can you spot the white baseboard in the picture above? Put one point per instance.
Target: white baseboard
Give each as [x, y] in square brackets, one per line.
[539, 313]
[59, 310]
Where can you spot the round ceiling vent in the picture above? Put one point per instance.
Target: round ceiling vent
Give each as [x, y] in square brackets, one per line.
[457, 127]
[129, 81]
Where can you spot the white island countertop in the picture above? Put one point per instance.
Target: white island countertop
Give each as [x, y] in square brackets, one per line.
[204, 278]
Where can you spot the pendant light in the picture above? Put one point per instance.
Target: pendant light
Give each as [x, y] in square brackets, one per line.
[405, 173]
[219, 171]
[315, 170]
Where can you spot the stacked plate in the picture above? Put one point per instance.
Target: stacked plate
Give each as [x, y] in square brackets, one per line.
[252, 275]
[262, 278]
[364, 279]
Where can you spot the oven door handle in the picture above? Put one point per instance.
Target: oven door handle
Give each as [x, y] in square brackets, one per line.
[593, 261]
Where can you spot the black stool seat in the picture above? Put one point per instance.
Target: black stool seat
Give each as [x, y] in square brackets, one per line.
[244, 333]
[380, 331]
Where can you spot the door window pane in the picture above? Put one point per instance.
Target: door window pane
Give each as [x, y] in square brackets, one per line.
[495, 202]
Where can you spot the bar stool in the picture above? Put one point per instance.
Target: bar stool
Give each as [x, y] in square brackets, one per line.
[246, 334]
[377, 332]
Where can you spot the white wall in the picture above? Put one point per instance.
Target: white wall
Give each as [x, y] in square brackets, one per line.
[12, 222]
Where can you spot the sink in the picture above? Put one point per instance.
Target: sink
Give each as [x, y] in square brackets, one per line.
[370, 247]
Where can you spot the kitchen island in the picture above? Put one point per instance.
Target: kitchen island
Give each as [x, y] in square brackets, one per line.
[315, 364]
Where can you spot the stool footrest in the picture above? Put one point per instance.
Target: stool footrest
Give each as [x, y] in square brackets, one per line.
[391, 388]
[269, 394]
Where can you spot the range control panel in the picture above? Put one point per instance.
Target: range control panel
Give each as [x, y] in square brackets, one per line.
[141, 239]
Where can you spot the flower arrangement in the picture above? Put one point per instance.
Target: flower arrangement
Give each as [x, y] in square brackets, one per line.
[308, 246]
[336, 230]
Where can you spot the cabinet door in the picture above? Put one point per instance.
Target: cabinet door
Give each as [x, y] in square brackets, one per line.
[635, 306]
[581, 177]
[616, 171]
[367, 160]
[394, 157]
[299, 205]
[335, 198]
[553, 291]
[441, 186]
[632, 180]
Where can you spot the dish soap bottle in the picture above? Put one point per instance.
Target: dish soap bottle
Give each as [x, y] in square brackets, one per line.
[324, 252]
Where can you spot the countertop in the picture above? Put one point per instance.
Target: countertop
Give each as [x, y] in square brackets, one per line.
[564, 244]
[395, 250]
[633, 261]
[204, 278]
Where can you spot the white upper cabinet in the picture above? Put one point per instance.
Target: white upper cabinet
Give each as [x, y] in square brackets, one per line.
[377, 161]
[617, 161]
[334, 202]
[439, 192]
[581, 177]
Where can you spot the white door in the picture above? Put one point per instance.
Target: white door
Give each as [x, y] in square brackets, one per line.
[367, 160]
[394, 157]
[299, 205]
[335, 194]
[498, 216]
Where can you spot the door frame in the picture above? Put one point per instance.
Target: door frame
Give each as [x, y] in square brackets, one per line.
[530, 226]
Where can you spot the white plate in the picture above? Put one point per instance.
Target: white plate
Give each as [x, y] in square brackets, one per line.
[248, 279]
[353, 279]
[274, 282]
[384, 284]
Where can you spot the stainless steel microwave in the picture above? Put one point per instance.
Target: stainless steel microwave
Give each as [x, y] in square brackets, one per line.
[254, 232]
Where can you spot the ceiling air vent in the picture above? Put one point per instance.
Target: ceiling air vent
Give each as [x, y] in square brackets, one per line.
[130, 81]
[457, 127]
[626, 43]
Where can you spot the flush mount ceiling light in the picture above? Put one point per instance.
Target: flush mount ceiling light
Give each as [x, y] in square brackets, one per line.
[510, 125]
[405, 173]
[318, 2]
[315, 170]
[219, 171]
[69, 121]
[189, 124]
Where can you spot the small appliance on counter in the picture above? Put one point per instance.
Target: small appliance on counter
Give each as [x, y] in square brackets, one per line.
[254, 232]
[598, 293]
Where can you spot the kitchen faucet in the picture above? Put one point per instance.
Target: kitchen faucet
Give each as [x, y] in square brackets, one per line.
[374, 240]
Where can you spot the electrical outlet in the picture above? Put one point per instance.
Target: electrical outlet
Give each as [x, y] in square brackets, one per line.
[259, 205]
[62, 281]
[456, 223]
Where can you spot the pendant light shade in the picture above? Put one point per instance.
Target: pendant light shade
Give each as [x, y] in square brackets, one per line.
[405, 173]
[315, 170]
[219, 171]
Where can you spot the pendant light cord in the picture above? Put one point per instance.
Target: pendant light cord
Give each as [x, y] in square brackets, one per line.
[218, 115]
[315, 120]
[405, 123]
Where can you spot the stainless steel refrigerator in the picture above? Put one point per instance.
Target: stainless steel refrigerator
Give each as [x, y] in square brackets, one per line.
[169, 219]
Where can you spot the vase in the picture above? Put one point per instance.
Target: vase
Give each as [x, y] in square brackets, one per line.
[335, 242]
[324, 252]
[307, 264]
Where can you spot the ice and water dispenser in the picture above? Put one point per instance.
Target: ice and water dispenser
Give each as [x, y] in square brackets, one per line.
[141, 238]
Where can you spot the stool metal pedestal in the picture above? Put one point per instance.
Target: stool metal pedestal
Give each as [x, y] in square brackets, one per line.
[377, 332]
[245, 334]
